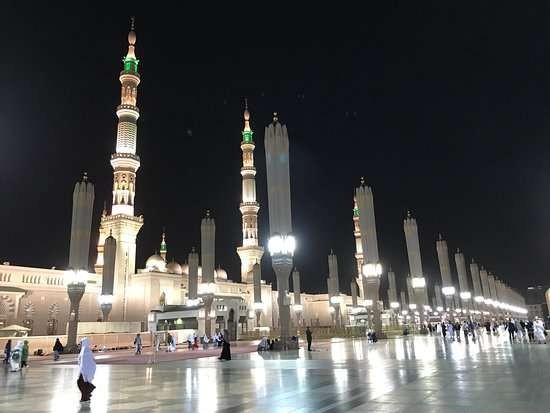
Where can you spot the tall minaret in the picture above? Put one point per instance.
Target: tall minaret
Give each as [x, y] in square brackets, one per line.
[122, 224]
[250, 252]
[358, 244]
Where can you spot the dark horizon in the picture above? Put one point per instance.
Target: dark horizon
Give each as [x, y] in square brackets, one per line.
[442, 110]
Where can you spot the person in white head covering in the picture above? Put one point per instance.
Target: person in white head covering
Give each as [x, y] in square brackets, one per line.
[539, 332]
[86, 364]
[16, 356]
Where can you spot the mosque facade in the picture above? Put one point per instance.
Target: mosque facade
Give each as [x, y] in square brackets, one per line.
[37, 298]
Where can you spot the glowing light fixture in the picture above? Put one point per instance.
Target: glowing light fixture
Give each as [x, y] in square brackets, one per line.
[448, 290]
[77, 277]
[465, 295]
[105, 299]
[281, 245]
[372, 270]
[335, 299]
[418, 282]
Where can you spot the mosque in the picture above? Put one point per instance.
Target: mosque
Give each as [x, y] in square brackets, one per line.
[37, 298]
[167, 295]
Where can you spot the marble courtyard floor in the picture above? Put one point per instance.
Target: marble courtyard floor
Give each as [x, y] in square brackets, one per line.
[416, 374]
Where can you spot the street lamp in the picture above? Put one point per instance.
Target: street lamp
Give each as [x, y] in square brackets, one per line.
[75, 289]
[281, 245]
[465, 295]
[418, 282]
[372, 270]
[372, 273]
[106, 304]
[281, 248]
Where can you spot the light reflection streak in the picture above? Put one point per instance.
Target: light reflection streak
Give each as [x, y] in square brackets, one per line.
[207, 390]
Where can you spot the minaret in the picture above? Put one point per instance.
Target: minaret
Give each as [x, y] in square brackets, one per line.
[358, 246]
[122, 224]
[250, 252]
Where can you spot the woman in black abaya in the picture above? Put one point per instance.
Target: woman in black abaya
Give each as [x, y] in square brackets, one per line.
[226, 350]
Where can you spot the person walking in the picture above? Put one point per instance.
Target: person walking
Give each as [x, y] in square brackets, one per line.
[57, 349]
[169, 342]
[86, 364]
[309, 338]
[138, 344]
[511, 329]
[205, 342]
[7, 352]
[540, 338]
[25, 354]
[530, 331]
[457, 331]
[15, 357]
[226, 350]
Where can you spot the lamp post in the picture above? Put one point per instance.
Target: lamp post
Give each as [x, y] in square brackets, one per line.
[106, 304]
[465, 294]
[75, 288]
[297, 306]
[392, 295]
[372, 273]
[207, 287]
[108, 277]
[281, 243]
[447, 289]
[371, 269]
[281, 249]
[418, 282]
[79, 250]
[258, 306]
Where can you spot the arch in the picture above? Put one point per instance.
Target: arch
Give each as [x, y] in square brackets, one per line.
[53, 311]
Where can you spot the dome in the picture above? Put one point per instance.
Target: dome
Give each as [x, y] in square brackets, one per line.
[221, 273]
[185, 270]
[155, 263]
[174, 268]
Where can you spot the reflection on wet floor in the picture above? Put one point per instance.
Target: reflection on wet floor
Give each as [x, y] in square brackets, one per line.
[424, 374]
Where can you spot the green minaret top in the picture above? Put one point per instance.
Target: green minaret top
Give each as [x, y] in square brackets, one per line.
[130, 60]
[247, 132]
[163, 246]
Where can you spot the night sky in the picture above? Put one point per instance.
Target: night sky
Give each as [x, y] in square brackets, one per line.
[442, 109]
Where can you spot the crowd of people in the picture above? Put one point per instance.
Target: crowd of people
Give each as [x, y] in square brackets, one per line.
[519, 331]
[18, 356]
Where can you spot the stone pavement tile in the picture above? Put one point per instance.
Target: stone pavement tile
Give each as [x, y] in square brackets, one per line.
[404, 397]
[422, 408]
[380, 407]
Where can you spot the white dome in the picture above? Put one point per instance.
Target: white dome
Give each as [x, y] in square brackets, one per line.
[174, 268]
[155, 263]
[185, 270]
[221, 273]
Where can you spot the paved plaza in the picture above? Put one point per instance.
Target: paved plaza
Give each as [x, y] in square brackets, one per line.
[416, 374]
